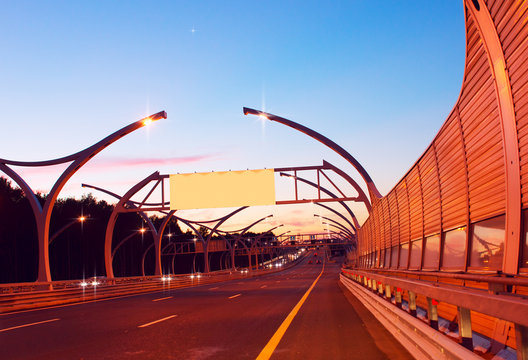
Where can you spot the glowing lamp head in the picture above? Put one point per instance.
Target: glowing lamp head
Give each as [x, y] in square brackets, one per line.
[147, 121]
[142, 230]
[82, 218]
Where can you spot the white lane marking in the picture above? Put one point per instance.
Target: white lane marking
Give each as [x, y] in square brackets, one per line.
[157, 321]
[263, 286]
[21, 326]
[234, 296]
[217, 287]
[165, 298]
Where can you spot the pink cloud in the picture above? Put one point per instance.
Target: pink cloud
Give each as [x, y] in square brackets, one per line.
[106, 163]
[131, 162]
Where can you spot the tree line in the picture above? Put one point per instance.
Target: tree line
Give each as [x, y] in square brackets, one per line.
[76, 248]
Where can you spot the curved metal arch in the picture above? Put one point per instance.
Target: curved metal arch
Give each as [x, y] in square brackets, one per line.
[113, 218]
[157, 234]
[337, 226]
[217, 231]
[373, 191]
[362, 197]
[503, 93]
[130, 202]
[337, 223]
[329, 193]
[78, 159]
[338, 214]
[143, 259]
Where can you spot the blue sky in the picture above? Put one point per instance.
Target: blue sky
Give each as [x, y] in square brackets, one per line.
[377, 77]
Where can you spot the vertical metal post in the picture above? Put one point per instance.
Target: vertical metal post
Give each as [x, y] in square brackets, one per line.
[398, 297]
[521, 342]
[412, 303]
[432, 312]
[295, 174]
[388, 294]
[464, 327]
[380, 289]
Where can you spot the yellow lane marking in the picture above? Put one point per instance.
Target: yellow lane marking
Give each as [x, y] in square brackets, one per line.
[217, 287]
[165, 298]
[270, 347]
[263, 286]
[157, 321]
[21, 326]
[234, 296]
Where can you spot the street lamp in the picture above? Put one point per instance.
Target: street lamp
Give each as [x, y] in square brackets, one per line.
[373, 191]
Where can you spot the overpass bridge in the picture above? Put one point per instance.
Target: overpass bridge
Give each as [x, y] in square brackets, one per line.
[438, 270]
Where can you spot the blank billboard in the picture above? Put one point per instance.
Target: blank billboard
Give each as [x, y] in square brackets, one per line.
[222, 189]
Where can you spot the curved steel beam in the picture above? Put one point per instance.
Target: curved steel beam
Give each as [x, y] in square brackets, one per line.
[512, 170]
[337, 223]
[373, 191]
[157, 243]
[336, 226]
[329, 193]
[97, 147]
[143, 258]
[77, 161]
[62, 229]
[130, 202]
[362, 197]
[113, 218]
[338, 214]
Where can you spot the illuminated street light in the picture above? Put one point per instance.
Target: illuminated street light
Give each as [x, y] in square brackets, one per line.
[373, 191]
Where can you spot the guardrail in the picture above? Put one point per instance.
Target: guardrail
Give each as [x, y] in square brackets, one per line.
[468, 301]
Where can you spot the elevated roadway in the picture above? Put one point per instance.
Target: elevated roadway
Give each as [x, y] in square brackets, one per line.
[230, 320]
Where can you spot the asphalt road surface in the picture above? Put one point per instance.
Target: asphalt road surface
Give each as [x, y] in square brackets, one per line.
[230, 320]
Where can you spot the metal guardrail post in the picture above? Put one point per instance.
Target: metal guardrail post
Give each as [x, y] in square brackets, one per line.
[388, 294]
[464, 327]
[398, 297]
[412, 303]
[521, 342]
[380, 289]
[432, 313]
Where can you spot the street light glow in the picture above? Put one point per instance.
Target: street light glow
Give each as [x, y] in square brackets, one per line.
[82, 218]
[142, 230]
[147, 121]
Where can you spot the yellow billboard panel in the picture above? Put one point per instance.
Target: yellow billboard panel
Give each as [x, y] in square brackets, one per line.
[222, 189]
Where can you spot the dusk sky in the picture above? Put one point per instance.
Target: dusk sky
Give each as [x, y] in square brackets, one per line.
[377, 77]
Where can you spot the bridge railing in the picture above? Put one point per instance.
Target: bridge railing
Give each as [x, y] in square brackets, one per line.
[477, 303]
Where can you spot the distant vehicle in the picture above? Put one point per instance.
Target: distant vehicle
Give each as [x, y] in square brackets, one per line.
[310, 262]
[318, 261]
[315, 254]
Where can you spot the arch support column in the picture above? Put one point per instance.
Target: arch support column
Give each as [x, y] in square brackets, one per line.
[497, 62]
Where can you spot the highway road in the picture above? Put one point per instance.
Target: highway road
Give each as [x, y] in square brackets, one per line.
[229, 320]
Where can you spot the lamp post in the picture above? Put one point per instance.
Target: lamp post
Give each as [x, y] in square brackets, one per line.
[373, 191]
[80, 219]
[77, 160]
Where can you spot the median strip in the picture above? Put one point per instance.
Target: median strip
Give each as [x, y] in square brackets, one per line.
[157, 321]
[165, 298]
[234, 296]
[25, 325]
